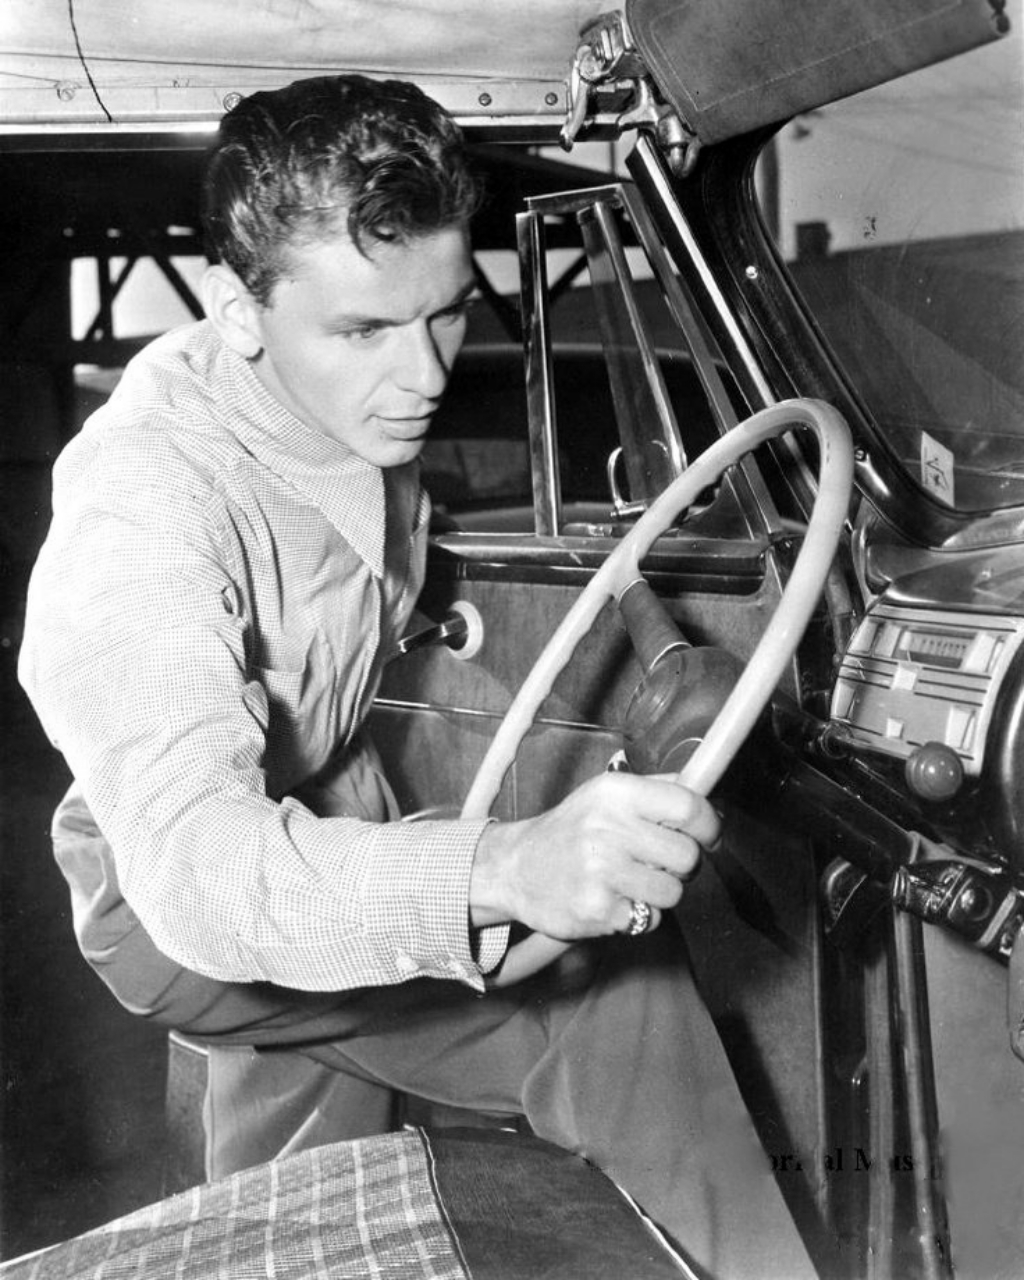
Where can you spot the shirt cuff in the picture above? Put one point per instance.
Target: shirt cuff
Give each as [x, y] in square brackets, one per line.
[415, 903]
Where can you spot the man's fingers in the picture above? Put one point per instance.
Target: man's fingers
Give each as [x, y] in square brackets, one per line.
[657, 847]
[646, 884]
[664, 801]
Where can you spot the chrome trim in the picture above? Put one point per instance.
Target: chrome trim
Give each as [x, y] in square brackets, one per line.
[684, 311]
[70, 103]
[670, 442]
[746, 482]
[402, 704]
[540, 398]
[914, 1055]
[621, 509]
[646, 154]
[562, 202]
[645, 157]
[875, 1075]
[751, 493]
[680, 306]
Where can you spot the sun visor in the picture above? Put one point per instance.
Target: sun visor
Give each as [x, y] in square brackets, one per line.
[730, 66]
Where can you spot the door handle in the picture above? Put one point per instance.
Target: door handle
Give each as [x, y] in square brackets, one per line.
[461, 630]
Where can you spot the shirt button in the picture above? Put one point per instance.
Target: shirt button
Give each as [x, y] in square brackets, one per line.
[406, 964]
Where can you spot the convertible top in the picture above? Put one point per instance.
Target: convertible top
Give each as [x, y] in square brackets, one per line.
[152, 61]
[726, 65]
[729, 66]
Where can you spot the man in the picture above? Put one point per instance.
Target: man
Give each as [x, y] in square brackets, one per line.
[238, 540]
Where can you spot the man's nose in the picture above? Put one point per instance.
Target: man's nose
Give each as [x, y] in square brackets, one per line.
[425, 365]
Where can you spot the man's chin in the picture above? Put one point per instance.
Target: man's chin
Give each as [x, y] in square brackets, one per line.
[396, 453]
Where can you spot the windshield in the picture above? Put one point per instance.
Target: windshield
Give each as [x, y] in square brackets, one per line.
[901, 214]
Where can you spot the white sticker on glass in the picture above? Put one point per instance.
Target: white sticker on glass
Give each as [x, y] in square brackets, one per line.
[937, 469]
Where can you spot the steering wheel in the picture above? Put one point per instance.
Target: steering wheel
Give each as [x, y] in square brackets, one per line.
[768, 662]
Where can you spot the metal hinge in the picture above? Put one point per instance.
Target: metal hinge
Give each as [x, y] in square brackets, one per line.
[607, 61]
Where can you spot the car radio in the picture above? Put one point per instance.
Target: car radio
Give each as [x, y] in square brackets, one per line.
[916, 676]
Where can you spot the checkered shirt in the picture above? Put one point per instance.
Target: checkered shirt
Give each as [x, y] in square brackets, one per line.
[206, 627]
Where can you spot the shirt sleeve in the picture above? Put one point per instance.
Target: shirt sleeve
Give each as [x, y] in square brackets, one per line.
[137, 667]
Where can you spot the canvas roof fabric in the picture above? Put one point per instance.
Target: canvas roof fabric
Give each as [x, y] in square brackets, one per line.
[727, 66]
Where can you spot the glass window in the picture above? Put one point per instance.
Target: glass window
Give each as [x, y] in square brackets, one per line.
[611, 397]
[901, 214]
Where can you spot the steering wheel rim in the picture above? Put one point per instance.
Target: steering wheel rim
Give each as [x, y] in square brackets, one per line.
[765, 666]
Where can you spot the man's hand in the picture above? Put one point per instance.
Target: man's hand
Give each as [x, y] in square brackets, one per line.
[575, 871]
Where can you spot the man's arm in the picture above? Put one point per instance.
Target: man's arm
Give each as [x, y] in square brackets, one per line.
[138, 662]
[138, 667]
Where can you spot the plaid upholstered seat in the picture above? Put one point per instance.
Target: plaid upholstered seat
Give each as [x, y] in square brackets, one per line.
[412, 1205]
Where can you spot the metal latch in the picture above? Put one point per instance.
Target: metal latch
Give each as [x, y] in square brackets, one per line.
[606, 60]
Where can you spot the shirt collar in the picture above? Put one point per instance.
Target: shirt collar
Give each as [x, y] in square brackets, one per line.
[348, 489]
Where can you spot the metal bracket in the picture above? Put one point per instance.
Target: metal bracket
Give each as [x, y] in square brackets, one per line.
[607, 60]
[981, 903]
[850, 900]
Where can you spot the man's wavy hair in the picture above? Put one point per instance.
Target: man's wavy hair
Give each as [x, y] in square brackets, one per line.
[293, 166]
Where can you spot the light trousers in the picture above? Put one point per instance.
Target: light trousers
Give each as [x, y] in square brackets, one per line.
[613, 1056]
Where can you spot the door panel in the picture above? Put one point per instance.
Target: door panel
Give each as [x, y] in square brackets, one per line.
[521, 609]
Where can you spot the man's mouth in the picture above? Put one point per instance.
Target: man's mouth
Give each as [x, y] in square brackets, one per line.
[407, 428]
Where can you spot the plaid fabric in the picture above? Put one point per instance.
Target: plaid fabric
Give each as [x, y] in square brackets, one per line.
[366, 1210]
[206, 628]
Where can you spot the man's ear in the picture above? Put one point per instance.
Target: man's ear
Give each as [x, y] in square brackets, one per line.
[232, 310]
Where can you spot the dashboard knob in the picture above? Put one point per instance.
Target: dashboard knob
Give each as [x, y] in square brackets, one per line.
[934, 772]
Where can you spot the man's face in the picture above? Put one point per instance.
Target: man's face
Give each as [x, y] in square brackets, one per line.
[360, 348]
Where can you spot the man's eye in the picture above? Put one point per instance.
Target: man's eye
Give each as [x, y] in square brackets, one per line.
[361, 333]
[457, 312]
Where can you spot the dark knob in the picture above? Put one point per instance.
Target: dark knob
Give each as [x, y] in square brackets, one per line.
[934, 772]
